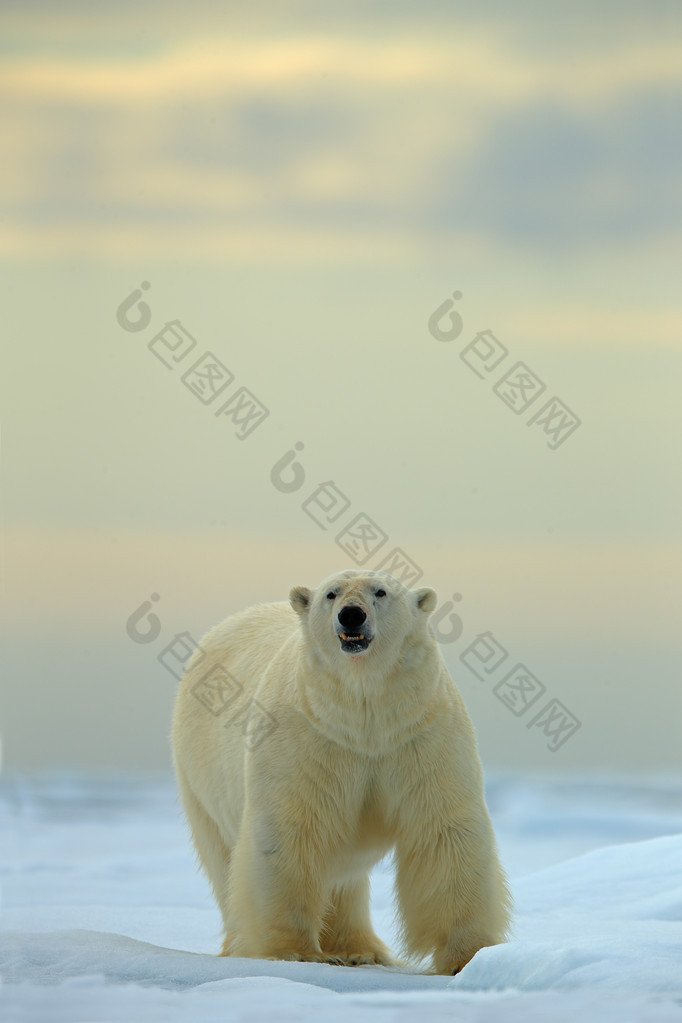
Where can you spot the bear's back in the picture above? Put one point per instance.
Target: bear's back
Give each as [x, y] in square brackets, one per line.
[243, 644]
[221, 680]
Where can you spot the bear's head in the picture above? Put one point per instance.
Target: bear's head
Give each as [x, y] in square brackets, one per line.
[362, 616]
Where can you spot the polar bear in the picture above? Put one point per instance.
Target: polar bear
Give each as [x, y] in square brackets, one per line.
[367, 747]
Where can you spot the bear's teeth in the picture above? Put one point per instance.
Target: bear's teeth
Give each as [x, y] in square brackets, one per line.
[346, 637]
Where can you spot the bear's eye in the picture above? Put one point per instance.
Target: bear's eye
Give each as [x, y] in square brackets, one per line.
[331, 595]
[380, 593]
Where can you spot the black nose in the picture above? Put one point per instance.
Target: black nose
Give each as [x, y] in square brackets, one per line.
[351, 617]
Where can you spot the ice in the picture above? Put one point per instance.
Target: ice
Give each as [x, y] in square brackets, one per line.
[106, 918]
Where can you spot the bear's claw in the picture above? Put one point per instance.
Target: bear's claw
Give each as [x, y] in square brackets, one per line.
[297, 957]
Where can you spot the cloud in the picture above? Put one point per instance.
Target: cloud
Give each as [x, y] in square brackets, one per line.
[296, 135]
[547, 175]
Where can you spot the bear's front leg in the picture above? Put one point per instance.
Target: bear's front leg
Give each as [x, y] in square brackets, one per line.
[453, 895]
[278, 889]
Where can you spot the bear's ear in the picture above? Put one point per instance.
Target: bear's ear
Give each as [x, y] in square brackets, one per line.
[299, 598]
[426, 599]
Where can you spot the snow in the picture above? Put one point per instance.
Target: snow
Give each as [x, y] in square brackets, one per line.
[105, 917]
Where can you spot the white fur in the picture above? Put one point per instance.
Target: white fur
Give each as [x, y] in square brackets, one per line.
[368, 753]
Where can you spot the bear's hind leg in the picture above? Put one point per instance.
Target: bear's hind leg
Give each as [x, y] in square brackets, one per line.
[212, 851]
[347, 931]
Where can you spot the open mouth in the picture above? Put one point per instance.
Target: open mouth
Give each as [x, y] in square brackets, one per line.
[354, 643]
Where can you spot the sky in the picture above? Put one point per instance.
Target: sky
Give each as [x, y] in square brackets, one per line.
[409, 240]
